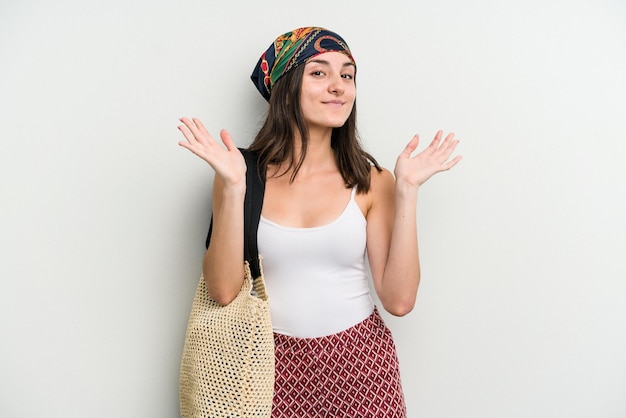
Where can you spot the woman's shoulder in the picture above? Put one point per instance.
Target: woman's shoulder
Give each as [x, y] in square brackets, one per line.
[381, 179]
[382, 189]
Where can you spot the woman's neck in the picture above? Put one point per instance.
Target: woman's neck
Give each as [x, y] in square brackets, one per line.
[319, 153]
[319, 156]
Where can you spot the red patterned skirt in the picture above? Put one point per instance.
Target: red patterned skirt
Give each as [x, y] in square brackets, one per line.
[353, 373]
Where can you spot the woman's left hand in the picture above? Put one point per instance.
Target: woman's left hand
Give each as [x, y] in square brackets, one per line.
[414, 171]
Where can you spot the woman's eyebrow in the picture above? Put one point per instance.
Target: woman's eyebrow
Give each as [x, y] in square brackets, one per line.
[324, 62]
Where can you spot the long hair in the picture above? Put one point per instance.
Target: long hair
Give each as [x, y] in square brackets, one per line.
[275, 140]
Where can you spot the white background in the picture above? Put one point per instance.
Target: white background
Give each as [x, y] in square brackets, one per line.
[521, 310]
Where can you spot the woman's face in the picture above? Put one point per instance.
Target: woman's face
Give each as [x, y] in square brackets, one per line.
[328, 90]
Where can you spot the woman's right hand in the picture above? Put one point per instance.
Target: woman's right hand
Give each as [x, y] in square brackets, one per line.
[228, 163]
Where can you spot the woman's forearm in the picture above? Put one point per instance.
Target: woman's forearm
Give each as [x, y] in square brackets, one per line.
[401, 277]
[223, 265]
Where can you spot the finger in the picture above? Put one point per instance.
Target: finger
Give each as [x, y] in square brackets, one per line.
[434, 144]
[448, 139]
[443, 159]
[447, 147]
[201, 127]
[187, 122]
[186, 127]
[189, 146]
[185, 144]
[448, 144]
[190, 124]
[411, 146]
[186, 133]
[452, 163]
[227, 140]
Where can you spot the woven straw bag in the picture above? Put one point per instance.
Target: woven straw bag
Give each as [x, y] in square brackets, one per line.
[227, 367]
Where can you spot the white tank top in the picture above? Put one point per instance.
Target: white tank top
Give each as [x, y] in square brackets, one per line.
[316, 277]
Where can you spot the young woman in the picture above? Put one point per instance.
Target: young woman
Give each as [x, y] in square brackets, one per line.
[327, 205]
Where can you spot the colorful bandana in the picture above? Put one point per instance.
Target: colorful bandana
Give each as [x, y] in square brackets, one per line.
[292, 49]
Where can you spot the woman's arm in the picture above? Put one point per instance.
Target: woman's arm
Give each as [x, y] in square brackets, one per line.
[392, 227]
[223, 266]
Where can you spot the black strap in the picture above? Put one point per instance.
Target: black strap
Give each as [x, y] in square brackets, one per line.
[253, 204]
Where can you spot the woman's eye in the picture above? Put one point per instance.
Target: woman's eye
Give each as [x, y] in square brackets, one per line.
[348, 76]
[317, 73]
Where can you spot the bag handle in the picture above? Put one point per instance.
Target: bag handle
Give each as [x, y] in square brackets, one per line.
[253, 204]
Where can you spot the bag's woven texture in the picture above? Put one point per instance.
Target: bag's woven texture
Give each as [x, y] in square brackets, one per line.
[227, 367]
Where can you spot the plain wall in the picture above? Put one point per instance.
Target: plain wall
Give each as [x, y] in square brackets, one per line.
[521, 308]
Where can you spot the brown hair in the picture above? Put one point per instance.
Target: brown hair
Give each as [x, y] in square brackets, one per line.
[274, 142]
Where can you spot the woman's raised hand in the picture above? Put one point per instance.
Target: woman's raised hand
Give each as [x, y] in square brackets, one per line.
[228, 163]
[414, 171]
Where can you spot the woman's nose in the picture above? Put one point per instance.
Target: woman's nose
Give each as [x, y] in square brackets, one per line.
[335, 85]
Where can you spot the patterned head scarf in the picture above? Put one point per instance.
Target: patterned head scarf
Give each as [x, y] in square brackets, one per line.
[292, 49]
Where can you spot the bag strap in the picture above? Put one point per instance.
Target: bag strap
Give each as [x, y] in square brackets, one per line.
[253, 204]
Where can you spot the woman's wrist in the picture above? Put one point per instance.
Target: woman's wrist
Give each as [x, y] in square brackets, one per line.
[406, 190]
[234, 191]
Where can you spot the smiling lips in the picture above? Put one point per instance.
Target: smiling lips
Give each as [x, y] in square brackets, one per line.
[334, 102]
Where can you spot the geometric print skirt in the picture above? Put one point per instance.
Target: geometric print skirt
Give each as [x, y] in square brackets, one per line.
[353, 373]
